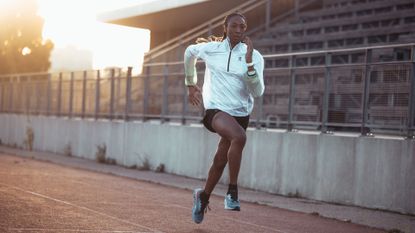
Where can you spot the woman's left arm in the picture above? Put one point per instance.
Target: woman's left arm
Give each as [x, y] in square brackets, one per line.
[254, 77]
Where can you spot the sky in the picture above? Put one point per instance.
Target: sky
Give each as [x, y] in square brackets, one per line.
[72, 23]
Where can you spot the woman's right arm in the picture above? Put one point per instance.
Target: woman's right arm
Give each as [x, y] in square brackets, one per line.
[192, 53]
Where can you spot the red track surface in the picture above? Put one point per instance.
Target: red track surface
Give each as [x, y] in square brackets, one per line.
[43, 197]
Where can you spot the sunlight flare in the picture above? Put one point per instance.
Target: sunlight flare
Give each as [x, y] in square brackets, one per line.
[72, 23]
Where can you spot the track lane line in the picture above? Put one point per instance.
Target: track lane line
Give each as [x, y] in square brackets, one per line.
[81, 207]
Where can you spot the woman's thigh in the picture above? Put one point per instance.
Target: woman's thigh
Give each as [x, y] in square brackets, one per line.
[227, 126]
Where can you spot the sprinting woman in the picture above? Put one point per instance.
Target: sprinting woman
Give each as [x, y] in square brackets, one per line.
[233, 77]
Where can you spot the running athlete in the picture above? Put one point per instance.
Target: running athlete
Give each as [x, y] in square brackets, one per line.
[233, 77]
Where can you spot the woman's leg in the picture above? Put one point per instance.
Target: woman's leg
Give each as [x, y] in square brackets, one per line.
[219, 163]
[228, 128]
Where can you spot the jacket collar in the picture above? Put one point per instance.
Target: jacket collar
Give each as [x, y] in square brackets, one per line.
[227, 43]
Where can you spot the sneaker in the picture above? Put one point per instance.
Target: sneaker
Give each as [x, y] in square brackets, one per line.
[232, 204]
[199, 206]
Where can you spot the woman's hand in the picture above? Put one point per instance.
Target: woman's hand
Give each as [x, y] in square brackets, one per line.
[249, 49]
[195, 95]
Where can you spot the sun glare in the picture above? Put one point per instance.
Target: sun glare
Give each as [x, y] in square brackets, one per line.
[26, 51]
[73, 23]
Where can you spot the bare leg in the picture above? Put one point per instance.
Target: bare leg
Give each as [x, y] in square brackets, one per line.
[219, 163]
[227, 127]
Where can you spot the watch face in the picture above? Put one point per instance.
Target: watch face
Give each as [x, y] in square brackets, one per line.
[251, 72]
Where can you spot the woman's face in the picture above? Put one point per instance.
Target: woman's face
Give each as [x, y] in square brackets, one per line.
[235, 29]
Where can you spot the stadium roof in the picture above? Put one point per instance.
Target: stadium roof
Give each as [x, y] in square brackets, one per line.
[168, 15]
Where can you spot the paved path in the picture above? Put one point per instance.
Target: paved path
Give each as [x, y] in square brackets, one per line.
[38, 196]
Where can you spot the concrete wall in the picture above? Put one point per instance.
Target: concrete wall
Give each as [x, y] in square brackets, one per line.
[368, 172]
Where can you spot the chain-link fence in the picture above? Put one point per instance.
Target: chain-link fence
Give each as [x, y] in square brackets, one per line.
[367, 90]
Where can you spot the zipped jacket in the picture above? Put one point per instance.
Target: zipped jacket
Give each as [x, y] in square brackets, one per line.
[227, 85]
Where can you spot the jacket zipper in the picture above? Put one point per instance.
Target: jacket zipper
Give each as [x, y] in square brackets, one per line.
[229, 59]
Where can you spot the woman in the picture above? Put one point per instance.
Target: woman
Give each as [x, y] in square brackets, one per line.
[233, 76]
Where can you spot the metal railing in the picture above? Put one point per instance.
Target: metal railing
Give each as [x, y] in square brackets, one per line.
[366, 90]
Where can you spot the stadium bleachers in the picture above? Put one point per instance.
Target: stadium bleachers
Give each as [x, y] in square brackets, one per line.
[342, 24]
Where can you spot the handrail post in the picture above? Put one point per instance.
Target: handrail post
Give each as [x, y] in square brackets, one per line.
[112, 94]
[97, 94]
[296, 8]
[411, 107]
[85, 74]
[210, 30]
[185, 100]
[71, 90]
[146, 85]
[259, 101]
[165, 104]
[365, 131]
[291, 98]
[39, 97]
[268, 8]
[128, 95]
[12, 101]
[27, 86]
[185, 103]
[3, 89]
[1, 96]
[59, 94]
[325, 107]
[48, 94]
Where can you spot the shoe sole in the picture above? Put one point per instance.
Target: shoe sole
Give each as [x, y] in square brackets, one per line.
[195, 194]
[233, 209]
[238, 208]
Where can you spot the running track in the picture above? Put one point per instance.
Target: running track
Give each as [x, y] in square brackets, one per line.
[39, 196]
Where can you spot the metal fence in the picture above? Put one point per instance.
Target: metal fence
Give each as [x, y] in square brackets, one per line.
[367, 90]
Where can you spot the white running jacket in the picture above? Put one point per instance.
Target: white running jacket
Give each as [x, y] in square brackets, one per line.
[227, 86]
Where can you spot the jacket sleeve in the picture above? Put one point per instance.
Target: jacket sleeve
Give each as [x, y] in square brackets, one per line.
[191, 55]
[255, 83]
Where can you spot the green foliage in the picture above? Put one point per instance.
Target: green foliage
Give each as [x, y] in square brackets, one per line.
[21, 31]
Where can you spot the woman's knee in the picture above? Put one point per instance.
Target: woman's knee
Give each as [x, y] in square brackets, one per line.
[239, 138]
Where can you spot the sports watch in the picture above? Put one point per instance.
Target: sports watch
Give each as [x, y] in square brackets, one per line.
[251, 72]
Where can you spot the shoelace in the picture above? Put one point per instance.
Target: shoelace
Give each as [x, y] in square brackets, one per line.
[232, 199]
[233, 196]
[205, 207]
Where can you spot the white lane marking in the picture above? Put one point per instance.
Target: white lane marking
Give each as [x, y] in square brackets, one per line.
[81, 207]
[216, 215]
[71, 230]
[187, 208]
[182, 207]
[232, 219]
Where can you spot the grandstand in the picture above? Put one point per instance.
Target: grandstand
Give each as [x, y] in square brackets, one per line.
[288, 27]
[341, 25]
[330, 65]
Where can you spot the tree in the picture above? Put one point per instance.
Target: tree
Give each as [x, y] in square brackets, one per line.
[22, 48]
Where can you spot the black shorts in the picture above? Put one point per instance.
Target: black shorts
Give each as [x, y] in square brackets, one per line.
[210, 113]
